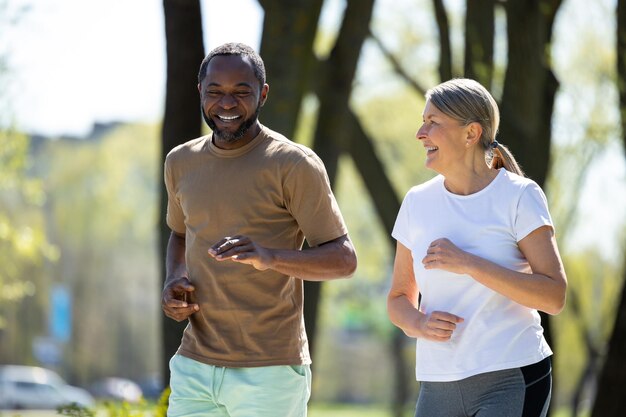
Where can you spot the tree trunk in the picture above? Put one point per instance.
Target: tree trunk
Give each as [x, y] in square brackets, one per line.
[479, 31]
[333, 90]
[445, 50]
[621, 63]
[528, 95]
[289, 30]
[372, 171]
[335, 86]
[530, 85]
[182, 121]
[609, 401]
[387, 205]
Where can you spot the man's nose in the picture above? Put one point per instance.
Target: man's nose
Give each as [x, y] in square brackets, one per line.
[228, 101]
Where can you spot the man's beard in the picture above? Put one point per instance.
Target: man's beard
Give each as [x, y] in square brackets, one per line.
[239, 133]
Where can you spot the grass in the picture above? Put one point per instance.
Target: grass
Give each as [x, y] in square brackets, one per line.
[315, 410]
[349, 410]
[338, 410]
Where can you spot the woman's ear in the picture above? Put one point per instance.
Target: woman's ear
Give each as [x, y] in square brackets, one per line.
[474, 132]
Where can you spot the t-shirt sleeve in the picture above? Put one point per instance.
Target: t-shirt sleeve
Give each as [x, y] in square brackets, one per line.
[174, 217]
[532, 211]
[310, 200]
[401, 229]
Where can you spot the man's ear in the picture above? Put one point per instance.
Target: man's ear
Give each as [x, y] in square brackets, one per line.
[199, 88]
[264, 92]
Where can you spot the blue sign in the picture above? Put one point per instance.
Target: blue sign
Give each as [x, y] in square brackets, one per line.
[60, 313]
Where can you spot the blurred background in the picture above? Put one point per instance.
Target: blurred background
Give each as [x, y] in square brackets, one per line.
[94, 93]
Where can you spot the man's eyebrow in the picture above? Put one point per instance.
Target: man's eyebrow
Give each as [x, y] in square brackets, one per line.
[241, 84]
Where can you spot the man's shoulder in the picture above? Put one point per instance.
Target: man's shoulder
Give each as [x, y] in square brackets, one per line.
[184, 149]
[279, 145]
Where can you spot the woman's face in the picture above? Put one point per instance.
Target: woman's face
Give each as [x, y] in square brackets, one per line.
[444, 139]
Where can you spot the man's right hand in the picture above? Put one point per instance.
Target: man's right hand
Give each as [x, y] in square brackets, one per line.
[174, 299]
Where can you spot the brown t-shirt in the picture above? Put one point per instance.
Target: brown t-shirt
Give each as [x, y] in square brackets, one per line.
[274, 191]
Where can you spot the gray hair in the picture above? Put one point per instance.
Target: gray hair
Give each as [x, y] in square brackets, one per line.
[467, 101]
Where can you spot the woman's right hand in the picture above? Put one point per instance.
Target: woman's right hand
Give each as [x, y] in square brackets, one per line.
[437, 326]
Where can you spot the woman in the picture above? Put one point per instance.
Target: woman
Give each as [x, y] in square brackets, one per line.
[477, 244]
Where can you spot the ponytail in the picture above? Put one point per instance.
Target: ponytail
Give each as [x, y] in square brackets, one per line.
[501, 157]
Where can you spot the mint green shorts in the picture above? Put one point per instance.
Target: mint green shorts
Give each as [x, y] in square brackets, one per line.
[199, 389]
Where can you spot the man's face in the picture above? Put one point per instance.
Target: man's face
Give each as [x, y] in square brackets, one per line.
[231, 98]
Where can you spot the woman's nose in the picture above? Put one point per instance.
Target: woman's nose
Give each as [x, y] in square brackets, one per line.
[421, 132]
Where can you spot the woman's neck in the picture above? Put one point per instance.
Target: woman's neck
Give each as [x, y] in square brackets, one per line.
[466, 182]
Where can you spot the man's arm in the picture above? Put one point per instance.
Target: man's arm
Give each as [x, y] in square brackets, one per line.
[330, 260]
[177, 285]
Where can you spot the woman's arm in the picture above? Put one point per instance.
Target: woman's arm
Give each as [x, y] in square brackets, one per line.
[402, 304]
[543, 289]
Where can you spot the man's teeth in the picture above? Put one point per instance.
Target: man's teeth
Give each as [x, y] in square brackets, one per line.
[228, 117]
[431, 148]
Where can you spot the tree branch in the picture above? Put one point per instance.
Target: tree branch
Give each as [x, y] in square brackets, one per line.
[397, 67]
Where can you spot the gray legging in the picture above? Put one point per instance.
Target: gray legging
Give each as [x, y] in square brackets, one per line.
[518, 392]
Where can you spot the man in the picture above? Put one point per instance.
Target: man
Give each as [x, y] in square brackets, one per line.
[240, 203]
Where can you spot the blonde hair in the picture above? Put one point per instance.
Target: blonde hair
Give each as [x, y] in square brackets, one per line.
[468, 102]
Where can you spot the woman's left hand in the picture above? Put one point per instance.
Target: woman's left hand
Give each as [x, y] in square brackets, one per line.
[443, 254]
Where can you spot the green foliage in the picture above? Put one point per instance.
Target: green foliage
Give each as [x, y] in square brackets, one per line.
[100, 196]
[162, 403]
[120, 409]
[112, 175]
[75, 411]
[392, 119]
[585, 155]
[588, 316]
[125, 409]
[100, 212]
[315, 409]
[354, 327]
[24, 247]
[103, 210]
[359, 304]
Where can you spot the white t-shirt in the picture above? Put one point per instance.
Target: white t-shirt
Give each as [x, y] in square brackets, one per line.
[497, 333]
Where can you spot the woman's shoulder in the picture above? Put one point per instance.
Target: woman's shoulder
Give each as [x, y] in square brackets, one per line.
[425, 189]
[516, 181]
[429, 185]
